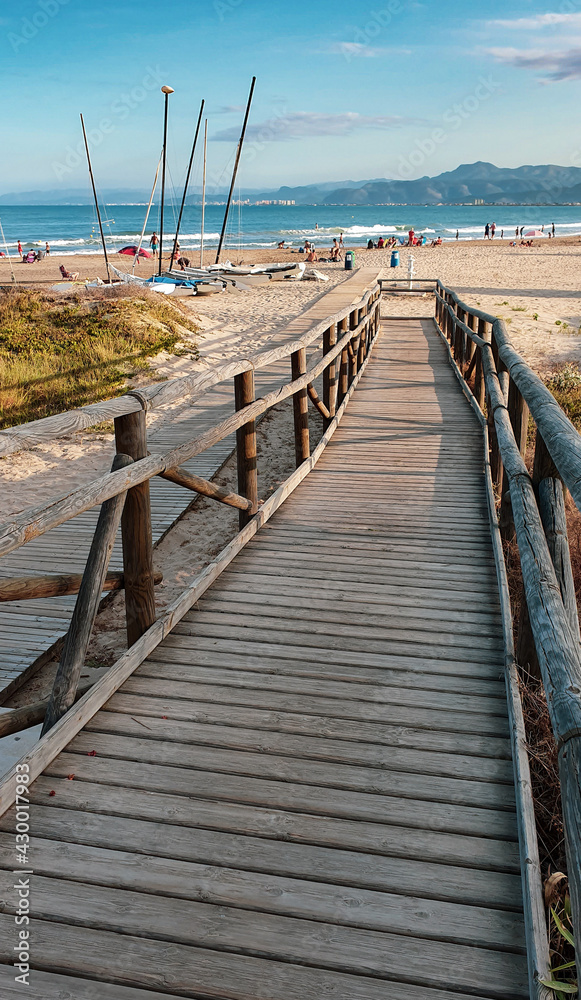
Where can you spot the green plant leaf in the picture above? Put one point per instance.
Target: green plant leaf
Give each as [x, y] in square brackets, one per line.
[567, 965]
[554, 984]
[562, 930]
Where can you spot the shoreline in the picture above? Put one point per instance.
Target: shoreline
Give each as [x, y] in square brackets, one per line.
[92, 265]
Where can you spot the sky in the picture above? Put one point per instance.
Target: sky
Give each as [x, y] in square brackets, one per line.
[345, 89]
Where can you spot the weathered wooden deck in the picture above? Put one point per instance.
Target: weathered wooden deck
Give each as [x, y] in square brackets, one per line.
[307, 789]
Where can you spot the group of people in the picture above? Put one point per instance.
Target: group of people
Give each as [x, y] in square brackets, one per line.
[33, 256]
[335, 253]
[382, 243]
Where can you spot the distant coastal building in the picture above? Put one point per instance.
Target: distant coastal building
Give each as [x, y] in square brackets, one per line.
[286, 202]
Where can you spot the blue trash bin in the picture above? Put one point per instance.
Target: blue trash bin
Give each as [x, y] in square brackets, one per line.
[349, 260]
[395, 258]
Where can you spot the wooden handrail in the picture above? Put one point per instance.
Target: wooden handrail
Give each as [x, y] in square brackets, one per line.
[510, 387]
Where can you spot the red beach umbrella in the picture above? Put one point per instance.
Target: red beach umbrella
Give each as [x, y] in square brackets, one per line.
[534, 232]
[132, 250]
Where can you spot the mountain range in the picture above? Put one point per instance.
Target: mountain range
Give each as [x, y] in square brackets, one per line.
[470, 183]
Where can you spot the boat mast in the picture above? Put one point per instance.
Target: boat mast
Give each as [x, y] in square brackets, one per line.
[7, 252]
[95, 197]
[136, 257]
[166, 91]
[189, 171]
[236, 163]
[204, 192]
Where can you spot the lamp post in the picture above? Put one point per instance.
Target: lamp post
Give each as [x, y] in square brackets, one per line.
[167, 91]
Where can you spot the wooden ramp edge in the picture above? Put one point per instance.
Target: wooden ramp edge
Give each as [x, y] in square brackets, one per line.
[306, 789]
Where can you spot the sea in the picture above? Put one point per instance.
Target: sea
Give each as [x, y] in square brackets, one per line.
[73, 229]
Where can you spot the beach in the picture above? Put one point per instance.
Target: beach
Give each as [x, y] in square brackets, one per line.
[535, 289]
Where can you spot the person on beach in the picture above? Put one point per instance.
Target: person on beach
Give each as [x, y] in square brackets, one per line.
[457, 237]
[153, 244]
[380, 243]
[553, 230]
[411, 238]
[340, 239]
[516, 232]
[502, 234]
[311, 257]
[183, 262]
[281, 245]
[370, 245]
[487, 231]
[19, 248]
[47, 249]
[493, 230]
[522, 229]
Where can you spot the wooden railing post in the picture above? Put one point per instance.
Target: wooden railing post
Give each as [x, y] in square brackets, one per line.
[300, 408]
[330, 376]
[131, 439]
[479, 383]
[246, 446]
[459, 339]
[472, 322]
[86, 606]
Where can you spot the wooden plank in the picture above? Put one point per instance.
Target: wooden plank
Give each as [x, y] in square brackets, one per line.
[335, 688]
[281, 938]
[377, 806]
[132, 960]
[386, 734]
[356, 869]
[297, 768]
[389, 713]
[379, 911]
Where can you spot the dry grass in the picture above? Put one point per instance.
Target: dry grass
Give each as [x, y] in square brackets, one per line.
[60, 352]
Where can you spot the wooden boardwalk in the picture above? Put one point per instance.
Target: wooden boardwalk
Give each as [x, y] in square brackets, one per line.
[29, 629]
[306, 791]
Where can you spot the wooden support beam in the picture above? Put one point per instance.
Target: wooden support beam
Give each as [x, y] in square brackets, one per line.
[246, 447]
[330, 379]
[131, 439]
[181, 477]
[86, 607]
[314, 397]
[31, 588]
[300, 408]
[30, 715]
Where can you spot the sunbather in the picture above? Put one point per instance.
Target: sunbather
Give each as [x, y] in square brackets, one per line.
[70, 276]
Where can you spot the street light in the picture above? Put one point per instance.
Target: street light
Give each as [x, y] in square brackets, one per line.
[167, 91]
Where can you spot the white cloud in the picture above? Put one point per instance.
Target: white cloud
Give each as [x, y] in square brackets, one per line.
[354, 50]
[555, 66]
[298, 124]
[538, 21]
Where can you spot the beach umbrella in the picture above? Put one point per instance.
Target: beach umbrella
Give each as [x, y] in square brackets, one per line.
[132, 250]
[534, 232]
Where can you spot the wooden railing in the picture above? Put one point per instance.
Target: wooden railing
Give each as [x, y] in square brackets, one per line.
[347, 338]
[531, 507]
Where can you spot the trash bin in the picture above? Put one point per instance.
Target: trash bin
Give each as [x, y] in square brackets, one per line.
[395, 258]
[349, 260]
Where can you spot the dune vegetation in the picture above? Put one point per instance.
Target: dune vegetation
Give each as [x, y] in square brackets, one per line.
[58, 353]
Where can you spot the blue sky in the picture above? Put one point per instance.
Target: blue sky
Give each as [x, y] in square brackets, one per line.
[396, 88]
